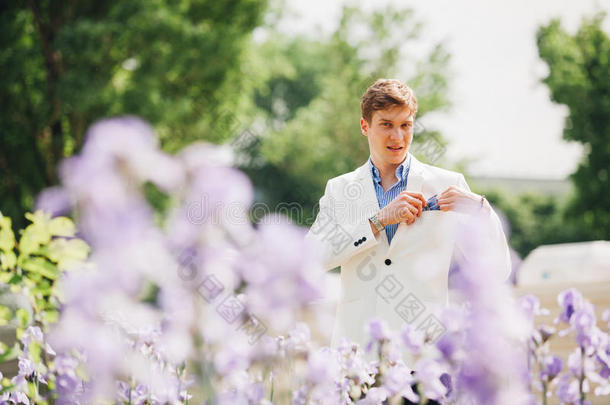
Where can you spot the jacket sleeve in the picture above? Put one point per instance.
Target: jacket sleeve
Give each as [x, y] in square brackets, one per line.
[339, 234]
[483, 240]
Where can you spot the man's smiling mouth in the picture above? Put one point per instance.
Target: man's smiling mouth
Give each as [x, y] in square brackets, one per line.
[394, 147]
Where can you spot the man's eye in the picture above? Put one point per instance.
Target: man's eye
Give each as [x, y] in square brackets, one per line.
[386, 124]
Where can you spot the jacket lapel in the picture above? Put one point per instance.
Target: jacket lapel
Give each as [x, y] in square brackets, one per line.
[368, 196]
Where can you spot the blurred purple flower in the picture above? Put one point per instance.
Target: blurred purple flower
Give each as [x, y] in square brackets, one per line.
[377, 330]
[398, 380]
[322, 367]
[428, 372]
[412, 339]
[374, 396]
[531, 306]
[583, 321]
[26, 368]
[551, 367]
[281, 282]
[575, 362]
[53, 200]
[569, 301]
[567, 389]
[606, 317]
[32, 334]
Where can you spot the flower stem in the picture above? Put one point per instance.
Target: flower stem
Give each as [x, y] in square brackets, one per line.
[544, 391]
[582, 375]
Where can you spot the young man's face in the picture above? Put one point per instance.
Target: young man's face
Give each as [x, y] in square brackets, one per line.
[390, 133]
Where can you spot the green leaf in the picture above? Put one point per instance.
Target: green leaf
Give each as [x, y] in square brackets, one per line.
[23, 317]
[62, 226]
[43, 290]
[35, 351]
[5, 315]
[8, 259]
[6, 387]
[7, 237]
[36, 234]
[40, 266]
[15, 279]
[67, 253]
[10, 353]
[50, 316]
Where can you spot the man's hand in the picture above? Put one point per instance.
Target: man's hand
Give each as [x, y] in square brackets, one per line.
[459, 200]
[406, 207]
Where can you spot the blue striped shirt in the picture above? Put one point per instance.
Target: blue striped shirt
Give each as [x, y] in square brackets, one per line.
[386, 197]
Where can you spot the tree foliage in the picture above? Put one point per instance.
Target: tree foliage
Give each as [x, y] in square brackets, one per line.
[579, 72]
[535, 219]
[66, 64]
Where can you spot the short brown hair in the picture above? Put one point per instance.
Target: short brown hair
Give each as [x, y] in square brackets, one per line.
[385, 93]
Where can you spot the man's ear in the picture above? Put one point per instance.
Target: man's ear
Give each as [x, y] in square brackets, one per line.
[364, 126]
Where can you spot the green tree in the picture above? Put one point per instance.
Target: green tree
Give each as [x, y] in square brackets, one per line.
[579, 72]
[66, 64]
[309, 101]
[535, 219]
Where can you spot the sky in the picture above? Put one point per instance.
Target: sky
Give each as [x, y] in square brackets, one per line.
[502, 120]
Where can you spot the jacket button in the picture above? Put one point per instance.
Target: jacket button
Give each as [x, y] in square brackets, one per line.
[388, 262]
[356, 243]
[363, 238]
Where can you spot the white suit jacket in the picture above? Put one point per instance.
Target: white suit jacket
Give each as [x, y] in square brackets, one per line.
[405, 282]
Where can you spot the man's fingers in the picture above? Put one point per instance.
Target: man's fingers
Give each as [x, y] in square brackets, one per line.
[416, 195]
[416, 204]
[407, 212]
[413, 209]
[446, 206]
[420, 197]
[448, 192]
[413, 200]
[445, 200]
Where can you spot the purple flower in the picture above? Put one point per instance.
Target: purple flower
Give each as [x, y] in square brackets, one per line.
[398, 380]
[26, 367]
[280, 282]
[447, 382]
[449, 345]
[412, 339]
[378, 331]
[544, 333]
[374, 396]
[428, 372]
[53, 200]
[567, 389]
[606, 317]
[569, 301]
[551, 367]
[32, 334]
[322, 367]
[299, 397]
[129, 144]
[583, 321]
[575, 362]
[66, 383]
[65, 364]
[19, 398]
[531, 306]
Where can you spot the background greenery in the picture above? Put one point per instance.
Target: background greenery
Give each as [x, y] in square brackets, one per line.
[289, 106]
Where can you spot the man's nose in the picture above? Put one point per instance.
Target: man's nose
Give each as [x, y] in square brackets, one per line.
[395, 134]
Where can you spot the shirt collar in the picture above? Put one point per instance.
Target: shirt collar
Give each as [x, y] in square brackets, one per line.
[401, 171]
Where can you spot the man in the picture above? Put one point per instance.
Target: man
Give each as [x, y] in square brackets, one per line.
[394, 250]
